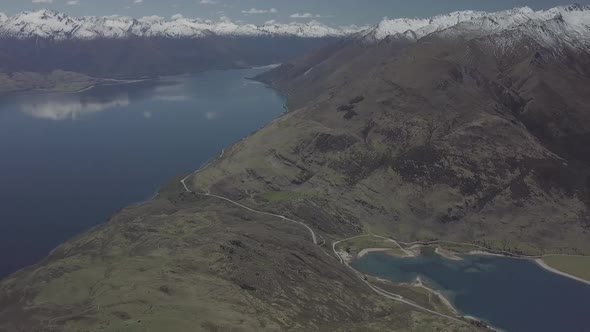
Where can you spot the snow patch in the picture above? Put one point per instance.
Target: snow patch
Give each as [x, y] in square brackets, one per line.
[565, 25]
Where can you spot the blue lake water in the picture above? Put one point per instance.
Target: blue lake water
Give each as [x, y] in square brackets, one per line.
[69, 161]
[511, 294]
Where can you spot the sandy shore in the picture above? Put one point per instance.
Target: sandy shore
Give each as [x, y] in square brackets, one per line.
[420, 283]
[447, 254]
[539, 262]
[549, 268]
[271, 66]
[370, 250]
[390, 250]
[486, 253]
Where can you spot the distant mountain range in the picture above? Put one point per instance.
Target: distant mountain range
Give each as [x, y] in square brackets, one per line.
[125, 47]
[54, 25]
[560, 24]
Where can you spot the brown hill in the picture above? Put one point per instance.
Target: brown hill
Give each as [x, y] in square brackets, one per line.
[446, 138]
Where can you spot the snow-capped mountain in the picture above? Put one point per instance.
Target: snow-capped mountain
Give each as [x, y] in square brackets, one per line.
[570, 24]
[560, 25]
[51, 24]
[103, 47]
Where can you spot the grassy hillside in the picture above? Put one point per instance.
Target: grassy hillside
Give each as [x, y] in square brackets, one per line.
[185, 263]
[418, 142]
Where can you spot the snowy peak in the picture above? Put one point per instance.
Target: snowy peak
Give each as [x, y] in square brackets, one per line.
[570, 23]
[421, 26]
[575, 8]
[560, 25]
[51, 24]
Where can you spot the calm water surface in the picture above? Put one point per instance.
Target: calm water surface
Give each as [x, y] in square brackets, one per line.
[69, 161]
[512, 294]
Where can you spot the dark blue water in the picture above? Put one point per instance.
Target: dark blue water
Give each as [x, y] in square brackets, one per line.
[69, 161]
[511, 294]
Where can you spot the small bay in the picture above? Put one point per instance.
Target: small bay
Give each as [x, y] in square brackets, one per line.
[510, 294]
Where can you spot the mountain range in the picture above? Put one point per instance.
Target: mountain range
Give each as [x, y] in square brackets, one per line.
[59, 26]
[123, 47]
[559, 24]
[469, 127]
[466, 132]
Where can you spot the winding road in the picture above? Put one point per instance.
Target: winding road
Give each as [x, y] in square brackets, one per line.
[361, 276]
[207, 194]
[476, 246]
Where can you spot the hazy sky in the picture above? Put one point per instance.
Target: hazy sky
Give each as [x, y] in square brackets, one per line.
[339, 12]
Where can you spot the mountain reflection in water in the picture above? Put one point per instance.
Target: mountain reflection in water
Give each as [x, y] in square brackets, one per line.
[72, 106]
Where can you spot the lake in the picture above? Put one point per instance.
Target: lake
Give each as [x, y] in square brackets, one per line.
[511, 294]
[69, 161]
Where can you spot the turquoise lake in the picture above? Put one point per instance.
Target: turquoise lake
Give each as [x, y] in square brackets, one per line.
[510, 294]
[70, 160]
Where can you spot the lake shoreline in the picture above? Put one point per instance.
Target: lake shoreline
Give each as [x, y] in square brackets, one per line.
[418, 282]
[367, 251]
[109, 83]
[456, 256]
[537, 260]
[97, 84]
[441, 296]
[447, 298]
[370, 250]
[95, 110]
[546, 267]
